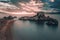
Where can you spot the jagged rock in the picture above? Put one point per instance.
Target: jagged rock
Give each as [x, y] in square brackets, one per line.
[9, 18]
[41, 18]
[52, 22]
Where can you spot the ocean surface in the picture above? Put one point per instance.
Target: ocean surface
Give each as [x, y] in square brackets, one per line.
[30, 30]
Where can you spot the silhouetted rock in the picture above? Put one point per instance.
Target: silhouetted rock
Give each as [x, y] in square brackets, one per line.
[9, 17]
[40, 17]
[52, 22]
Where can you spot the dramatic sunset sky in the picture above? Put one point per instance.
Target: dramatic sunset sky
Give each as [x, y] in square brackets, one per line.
[25, 6]
[21, 7]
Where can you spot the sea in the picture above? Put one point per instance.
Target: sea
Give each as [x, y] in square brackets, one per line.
[31, 30]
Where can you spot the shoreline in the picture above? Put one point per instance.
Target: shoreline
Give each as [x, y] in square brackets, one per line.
[5, 32]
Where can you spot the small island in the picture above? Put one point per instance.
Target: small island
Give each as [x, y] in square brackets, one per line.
[40, 16]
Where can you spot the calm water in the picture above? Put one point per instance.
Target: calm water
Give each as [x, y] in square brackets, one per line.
[29, 30]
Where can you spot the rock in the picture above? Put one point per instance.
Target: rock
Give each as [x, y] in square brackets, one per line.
[9, 17]
[40, 17]
[52, 22]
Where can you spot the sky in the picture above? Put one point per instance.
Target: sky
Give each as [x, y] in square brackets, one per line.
[25, 7]
[20, 6]
[15, 1]
[55, 4]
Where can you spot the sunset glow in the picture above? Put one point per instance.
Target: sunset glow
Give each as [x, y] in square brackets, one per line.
[25, 7]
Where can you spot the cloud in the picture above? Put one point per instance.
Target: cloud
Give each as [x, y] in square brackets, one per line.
[16, 1]
[25, 7]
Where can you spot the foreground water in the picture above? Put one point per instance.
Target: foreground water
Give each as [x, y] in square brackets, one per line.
[29, 30]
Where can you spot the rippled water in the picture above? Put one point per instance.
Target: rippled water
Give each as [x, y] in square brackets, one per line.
[29, 30]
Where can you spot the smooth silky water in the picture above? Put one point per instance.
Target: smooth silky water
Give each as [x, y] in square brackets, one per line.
[29, 30]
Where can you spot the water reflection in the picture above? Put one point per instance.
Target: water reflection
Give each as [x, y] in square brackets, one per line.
[38, 23]
[53, 28]
[41, 25]
[35, 30]
[32, 30]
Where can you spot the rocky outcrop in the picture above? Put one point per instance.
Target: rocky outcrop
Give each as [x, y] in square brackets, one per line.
[52, 22]
[9, 18]
[40, 17]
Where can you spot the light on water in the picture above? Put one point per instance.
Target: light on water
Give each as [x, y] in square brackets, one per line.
[29, 30]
